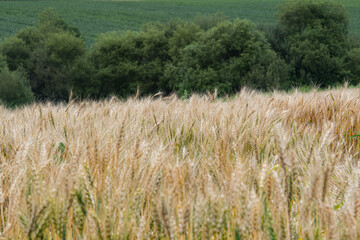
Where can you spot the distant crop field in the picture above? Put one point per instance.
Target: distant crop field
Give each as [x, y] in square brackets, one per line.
[95, 17]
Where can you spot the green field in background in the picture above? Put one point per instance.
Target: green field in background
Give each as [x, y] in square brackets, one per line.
[94, 17]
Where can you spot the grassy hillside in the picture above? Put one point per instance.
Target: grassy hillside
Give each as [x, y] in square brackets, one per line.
[254, 167]
[94, 17]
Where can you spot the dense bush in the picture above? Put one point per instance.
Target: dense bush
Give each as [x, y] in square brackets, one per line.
[3, 63]
[316, 34]
[353, 65]
[16, 52]
[54, 65]
[310, 45]
[277, 39]
[185, 57]
[15, 88]
[226, 57]
[50, 54]
[124, 62]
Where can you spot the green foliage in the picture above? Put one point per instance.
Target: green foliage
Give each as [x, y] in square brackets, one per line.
[54, 64]
[63, 48]
[316, 33]
[309, 46]
[126, 61]
[356, 136]
[276, 36]
[16, 52]
[185, 57]
[14, 88]
[111, 57]
[3, 63]
[183, 35]
[353, 65]
[301, 16]
[61, 150]
[226, 57]
[50, 54]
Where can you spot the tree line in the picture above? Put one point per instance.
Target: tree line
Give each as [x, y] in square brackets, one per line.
[310, 45]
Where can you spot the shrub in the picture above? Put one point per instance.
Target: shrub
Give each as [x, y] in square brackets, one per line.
[50, 53]
[182, 36]
[126, 61]
[15, 88]
[227, 57]
[3, 63]
[353, 65]
[276, 36]
[316, 32]
[111, 56]
[16, 52]
[52, 65]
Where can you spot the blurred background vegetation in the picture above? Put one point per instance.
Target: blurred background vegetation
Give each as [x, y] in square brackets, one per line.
[309, 43]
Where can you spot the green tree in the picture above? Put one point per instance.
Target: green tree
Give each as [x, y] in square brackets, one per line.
[16, 52]
[50, 53]
[316, 33]
[228, 56]
[353, 65]
[15, 88]
[53, 65]
[3, 63]
[113, 56]
[125, 61]
[276, 36]
[151, 58]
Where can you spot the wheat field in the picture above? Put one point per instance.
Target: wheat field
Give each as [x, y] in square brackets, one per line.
[256, 166]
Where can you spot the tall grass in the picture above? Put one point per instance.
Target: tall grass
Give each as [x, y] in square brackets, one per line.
[254, 167]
